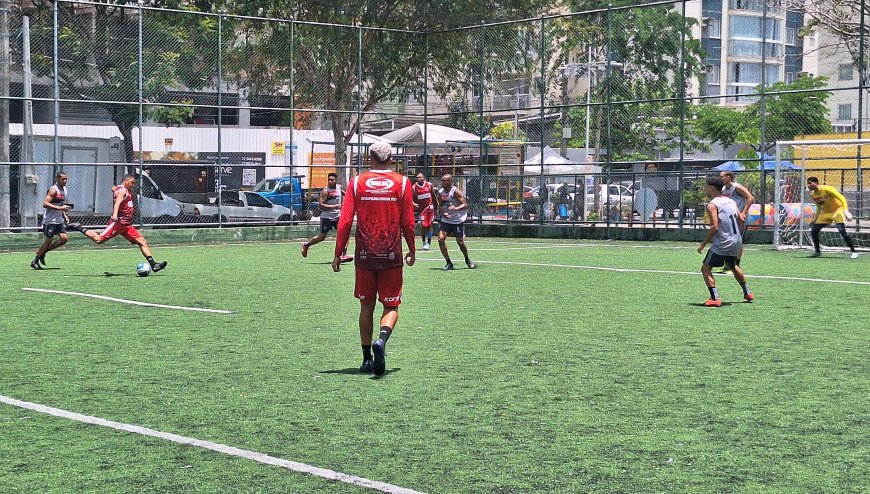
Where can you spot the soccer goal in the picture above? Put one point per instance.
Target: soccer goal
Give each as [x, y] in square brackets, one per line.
[839, 163]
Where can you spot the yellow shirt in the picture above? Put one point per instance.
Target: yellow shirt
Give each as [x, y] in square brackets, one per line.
[828, 200]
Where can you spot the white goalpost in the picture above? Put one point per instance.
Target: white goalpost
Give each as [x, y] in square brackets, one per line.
[838, 163]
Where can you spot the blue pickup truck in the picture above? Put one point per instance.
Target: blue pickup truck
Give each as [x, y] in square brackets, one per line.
[287, 192]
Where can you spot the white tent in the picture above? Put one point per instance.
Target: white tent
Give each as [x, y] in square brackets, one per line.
[437, 134]
[555, 164]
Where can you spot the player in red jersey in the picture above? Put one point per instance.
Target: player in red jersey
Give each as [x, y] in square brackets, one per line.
[424, 204]
[121, 222]
[381, 200]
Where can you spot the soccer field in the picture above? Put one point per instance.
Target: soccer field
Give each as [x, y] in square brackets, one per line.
[555, 367]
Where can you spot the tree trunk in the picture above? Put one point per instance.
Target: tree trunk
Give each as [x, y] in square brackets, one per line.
[340, 140]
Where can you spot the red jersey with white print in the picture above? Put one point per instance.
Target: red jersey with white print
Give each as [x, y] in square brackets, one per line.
[125, 212]
[382, 203]
[423, 195]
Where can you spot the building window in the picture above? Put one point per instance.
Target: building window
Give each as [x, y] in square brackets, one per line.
[712, 28]
[844, 112]
[790, 36]
[789, 77]
[845, 72]
[713, 75]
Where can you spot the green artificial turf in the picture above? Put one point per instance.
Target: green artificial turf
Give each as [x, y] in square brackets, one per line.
[534, 373]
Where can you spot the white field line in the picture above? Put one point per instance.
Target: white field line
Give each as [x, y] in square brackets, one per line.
[130, 302]
[220, 448]
[656, 271]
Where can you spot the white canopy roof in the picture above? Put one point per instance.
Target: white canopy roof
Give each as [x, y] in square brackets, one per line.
[554, 164]
[437, 134]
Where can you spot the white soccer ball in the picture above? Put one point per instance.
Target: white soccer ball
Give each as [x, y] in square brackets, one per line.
[143, 269]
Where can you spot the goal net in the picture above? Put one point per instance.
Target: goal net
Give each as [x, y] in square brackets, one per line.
[842, 164]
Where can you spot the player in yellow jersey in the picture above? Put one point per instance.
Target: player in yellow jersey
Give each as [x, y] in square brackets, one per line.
[831, 207]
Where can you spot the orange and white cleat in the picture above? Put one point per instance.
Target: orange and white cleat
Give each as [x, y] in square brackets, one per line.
[713, 303]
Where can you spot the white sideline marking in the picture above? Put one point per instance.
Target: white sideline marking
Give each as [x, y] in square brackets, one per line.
[220, 448]
[658, 271]
[130, 302]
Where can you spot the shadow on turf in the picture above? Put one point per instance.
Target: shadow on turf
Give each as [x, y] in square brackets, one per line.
[355, 371]
[701, 304]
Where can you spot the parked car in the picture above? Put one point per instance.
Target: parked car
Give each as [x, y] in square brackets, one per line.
[237, 206]
[619, 197]
[287, 192]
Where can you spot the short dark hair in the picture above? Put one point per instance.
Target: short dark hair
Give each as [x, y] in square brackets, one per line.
[332, 174]
[814, 180]
[729, 174]
[61, 174]
[129, 176]
[716, 183]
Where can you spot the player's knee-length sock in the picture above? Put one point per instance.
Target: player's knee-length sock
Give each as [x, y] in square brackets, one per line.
[815, 234]
[841, 227]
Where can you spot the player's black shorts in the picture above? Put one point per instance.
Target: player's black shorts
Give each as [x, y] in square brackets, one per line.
[451, 229]
[327, 224]
[714, 260]
[52, 229]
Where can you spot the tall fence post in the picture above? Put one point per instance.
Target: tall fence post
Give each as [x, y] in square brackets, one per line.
[682, 79]
[481, 126]
[426, 104]
[862, 86]
[292, 100]
[5, 63]
[359, 100]
[609, 116]
[55, 149]
[141, 102]
[220, 155]
[542, 187]
[762, 110]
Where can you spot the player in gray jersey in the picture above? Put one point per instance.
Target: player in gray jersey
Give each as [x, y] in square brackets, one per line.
[454, 211]
[54, 221]
[743, 198]
[727, 241]
[330, 210]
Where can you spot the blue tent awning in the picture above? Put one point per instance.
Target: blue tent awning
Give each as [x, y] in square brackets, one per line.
[729, 166]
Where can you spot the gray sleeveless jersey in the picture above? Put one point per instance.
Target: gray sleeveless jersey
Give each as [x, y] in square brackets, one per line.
[448, 198]
[731, 192]
[333, 198]
[727, 240]
[55, 216]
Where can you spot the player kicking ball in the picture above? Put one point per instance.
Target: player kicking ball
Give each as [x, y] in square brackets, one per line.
[121, 222]
[727, 241]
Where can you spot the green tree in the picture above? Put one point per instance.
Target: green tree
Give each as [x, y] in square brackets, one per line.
[792, 109]
[325, 60]
[99, 59]
[647, 78]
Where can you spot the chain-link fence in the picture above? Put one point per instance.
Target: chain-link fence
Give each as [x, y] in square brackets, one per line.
[608, 117]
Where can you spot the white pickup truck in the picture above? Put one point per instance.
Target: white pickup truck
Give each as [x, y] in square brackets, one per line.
[239, 206]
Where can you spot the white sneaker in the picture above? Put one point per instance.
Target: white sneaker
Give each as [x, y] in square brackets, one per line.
[425, 246]
[854, 255]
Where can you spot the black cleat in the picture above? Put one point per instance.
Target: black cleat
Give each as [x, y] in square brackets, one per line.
[380, 363]
[160, 265]
[447, 267]
[41, 260]
[75, 227]
[470, 265]
[367, 367]
[35, 265]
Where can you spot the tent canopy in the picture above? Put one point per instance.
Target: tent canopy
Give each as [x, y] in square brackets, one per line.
[551, 157]
[437, 134]
[769, 163]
